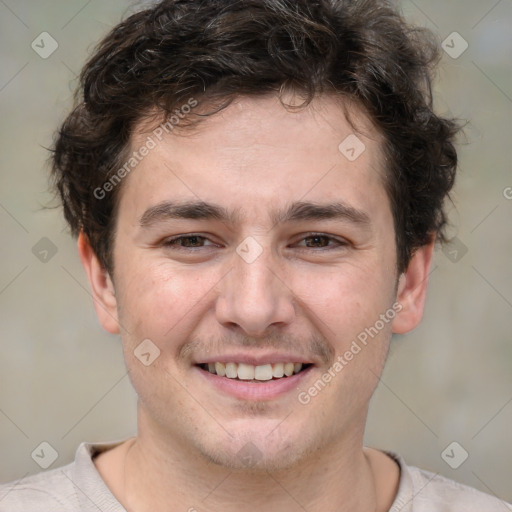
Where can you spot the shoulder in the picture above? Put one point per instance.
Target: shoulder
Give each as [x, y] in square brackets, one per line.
[72, 488]
[50, 490]
[424, 491]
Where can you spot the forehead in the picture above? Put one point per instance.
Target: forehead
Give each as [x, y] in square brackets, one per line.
[255, 152]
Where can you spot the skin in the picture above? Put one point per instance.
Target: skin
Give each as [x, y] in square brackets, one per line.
[298, 296]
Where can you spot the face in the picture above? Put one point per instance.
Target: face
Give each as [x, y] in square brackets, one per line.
[254, 242]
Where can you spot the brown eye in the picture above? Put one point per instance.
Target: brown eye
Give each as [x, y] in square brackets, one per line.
[321, 241]
[186, 242]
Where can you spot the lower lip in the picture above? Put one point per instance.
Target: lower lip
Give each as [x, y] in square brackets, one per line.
[264, 390]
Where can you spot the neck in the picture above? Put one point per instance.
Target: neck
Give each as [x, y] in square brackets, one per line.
[158, 472]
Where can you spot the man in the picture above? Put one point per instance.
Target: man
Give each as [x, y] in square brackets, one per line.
[257, 187]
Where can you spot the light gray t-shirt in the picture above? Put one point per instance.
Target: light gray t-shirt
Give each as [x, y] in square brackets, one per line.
[78, 487]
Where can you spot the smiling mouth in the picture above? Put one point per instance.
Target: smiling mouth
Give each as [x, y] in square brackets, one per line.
[249, 373]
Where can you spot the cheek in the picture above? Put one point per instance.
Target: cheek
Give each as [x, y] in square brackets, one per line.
[346, 305]
[348, 296]
[158, 301]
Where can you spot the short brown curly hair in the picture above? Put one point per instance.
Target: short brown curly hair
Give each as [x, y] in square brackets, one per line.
[158, 58]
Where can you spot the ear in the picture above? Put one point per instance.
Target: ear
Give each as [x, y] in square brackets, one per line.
[102, 287]
[412, 290]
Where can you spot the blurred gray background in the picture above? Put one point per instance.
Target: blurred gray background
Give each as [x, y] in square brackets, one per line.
[62, 379]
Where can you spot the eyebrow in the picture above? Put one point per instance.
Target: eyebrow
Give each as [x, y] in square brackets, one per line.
[297, 211]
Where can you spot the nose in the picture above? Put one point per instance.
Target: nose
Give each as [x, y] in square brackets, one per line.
[255, 297]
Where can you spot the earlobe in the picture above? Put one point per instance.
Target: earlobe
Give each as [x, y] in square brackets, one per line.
[102, 287]
[412, 290]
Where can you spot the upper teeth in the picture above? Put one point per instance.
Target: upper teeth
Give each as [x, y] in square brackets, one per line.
[244, 371]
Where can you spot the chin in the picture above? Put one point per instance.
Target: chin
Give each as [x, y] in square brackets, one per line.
[259, 450]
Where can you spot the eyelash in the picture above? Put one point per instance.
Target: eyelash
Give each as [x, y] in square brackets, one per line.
[171, 242]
